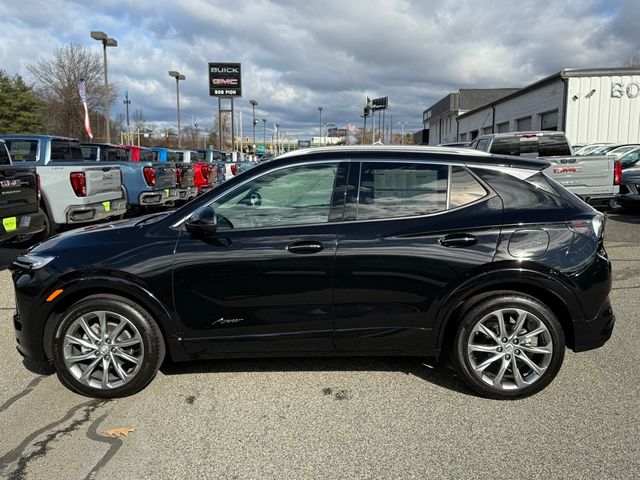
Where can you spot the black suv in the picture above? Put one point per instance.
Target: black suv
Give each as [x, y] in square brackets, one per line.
[339, 251]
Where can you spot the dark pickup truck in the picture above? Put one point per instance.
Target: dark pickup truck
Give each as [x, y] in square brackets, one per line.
[19, 199]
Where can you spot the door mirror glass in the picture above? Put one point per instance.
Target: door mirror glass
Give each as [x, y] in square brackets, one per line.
[201, 221]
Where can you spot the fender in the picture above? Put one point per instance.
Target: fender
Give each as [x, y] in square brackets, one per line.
[119, 285]
[507, 275]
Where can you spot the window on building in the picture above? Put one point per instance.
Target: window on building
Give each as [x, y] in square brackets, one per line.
[503, 127]
[523, 124]
[549, 121]
[474, 134]
[487, 130]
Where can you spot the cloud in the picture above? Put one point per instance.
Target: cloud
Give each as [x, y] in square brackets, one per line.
[297, 56]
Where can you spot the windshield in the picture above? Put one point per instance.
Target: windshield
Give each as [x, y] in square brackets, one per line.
[630, 159]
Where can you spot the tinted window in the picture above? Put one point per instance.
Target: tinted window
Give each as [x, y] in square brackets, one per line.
[531, 146]
[505, 146]
[296, 195]
[553, 145]
[117, 155]
[390, 190]
[630, 159]
[148, 156]
[4, 155]
[89, 153]
[23, 150]
[483, 144]
[175, 157]
[464, 188]
[202, 156]
[65, 150]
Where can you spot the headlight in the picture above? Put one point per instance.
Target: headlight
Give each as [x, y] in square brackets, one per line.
[33, 261]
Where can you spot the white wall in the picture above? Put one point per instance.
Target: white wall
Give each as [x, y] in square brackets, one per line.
[535, 102]
[442, 129]
[604, 109]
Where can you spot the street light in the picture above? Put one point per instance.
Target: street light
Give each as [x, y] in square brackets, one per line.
[253, 107]
[178, 77]
[127, 102]
[264, 133]
[106, 42]
[320, 110]
[277, 139]
[402, 124]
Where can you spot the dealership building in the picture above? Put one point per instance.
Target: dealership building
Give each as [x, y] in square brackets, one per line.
[589, 105]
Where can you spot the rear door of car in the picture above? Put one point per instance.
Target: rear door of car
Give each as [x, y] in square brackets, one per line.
[412, 231]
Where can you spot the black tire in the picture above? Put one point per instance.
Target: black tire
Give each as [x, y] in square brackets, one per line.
[536, 311]
[152, 341]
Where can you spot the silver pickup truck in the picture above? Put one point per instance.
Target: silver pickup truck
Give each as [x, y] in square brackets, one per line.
[73, 191]
[594, 179]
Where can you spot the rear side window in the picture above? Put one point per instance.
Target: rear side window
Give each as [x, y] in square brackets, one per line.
[65, 150]
[23, 150]
[4, 155]
[391, 190]
[465, 188]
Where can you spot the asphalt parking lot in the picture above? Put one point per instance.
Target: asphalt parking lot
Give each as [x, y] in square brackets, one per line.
[335, 418]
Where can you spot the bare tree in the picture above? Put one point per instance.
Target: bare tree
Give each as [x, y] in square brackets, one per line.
[226, 132]
[633, 61]
[56, 82]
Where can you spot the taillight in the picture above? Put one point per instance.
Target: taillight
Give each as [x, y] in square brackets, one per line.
[79, 184]
[149, 176]
[617, 173]
[234, 169]
[178, 175]
[38, 187]
[590, 227]
[205, 172]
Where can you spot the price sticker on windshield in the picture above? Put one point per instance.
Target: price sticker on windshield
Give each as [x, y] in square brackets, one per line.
[107, 206]
[10, 224]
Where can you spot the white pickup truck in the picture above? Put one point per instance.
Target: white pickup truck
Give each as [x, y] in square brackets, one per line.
[73, 191]
[594, 179]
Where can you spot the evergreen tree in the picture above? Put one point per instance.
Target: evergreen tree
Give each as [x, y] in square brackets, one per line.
[20, 109]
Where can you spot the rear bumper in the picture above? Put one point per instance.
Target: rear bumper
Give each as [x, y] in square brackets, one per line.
[95, 211]
[187, 193]
[594, 333]
[26, 224]
[204, 188]
[158, 197]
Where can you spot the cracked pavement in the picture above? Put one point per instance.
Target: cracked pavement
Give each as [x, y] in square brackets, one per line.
[335, 418]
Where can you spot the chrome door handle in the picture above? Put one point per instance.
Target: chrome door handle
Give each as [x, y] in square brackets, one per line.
[458, 240]
[304, 247]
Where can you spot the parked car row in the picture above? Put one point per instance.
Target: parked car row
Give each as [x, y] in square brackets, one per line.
[49, 182]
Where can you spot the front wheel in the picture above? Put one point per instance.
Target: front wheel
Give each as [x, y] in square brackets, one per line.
[107, 346]
[509, 346]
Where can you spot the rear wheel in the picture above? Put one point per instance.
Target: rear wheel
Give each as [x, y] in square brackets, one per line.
[509, 346]
[107, 346]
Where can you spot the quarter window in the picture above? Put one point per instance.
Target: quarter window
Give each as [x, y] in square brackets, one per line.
[464, 188]
[389, 190]
[296, 195]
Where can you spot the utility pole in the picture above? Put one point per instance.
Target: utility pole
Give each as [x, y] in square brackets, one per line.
[127, 102]
[178, 77]
[320, 124]
[254, 121]
[106, 42]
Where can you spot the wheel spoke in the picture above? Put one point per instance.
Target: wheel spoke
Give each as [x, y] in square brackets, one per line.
[84, 378]
[538, 349]
[533, 333]
[106, 361]
[503, 329]
[116, 331]
[80, 358]
[517, 376]
[497, 380]
[127, 357]
[129, 342]
[482, 348]
[522, 317]
[87, 329]
[488, 332]
[102, 317]
[80, 341]
[117, 365]
[487, 362]
[523, 356]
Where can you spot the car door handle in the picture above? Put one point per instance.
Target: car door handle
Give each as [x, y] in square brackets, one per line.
[304, 247]
[458, 240]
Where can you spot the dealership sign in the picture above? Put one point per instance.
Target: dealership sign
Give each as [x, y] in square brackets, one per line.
[618, 90]
[225, 80]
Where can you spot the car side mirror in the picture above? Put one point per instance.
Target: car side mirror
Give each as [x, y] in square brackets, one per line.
[203, 221]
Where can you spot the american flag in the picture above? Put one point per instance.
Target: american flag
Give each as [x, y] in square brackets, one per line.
[82, 88]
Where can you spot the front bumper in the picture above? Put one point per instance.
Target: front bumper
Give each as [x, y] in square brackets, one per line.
[19, 225]
[96, 211]
[594, 333]
[158, 197]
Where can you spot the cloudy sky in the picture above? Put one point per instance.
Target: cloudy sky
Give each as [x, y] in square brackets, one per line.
[299, 55]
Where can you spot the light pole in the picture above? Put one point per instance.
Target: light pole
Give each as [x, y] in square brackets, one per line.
[320, 123]
[402, 124]
[106, 42]
[253, 111]
[127, 102]
[178, 77]
[277, 139]
[264, 133]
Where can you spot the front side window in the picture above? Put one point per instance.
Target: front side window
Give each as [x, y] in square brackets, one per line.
[297, 195]
[23, 150]
[390, 190]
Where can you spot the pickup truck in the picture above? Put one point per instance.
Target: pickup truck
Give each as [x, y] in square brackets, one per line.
[185, 175]
[146, 183]
[20, 212]
[595, 179]
[215, 158]
[205, 174]
[73, 190]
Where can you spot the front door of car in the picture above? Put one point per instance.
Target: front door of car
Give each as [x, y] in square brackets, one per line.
[411, 233]
[263, 281]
